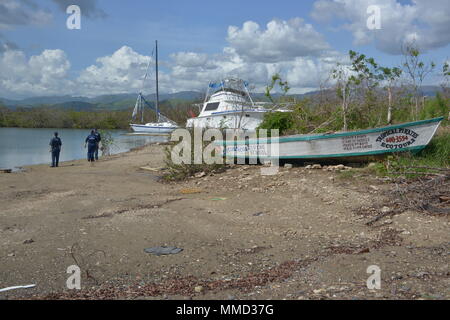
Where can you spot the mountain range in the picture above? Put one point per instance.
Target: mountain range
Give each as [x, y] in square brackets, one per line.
[127, 100]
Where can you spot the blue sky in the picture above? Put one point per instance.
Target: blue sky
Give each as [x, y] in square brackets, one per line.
[299, 39]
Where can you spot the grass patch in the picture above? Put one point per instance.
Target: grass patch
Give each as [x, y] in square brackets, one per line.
[346, 174]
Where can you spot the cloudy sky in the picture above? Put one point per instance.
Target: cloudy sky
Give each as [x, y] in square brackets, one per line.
[201, 41]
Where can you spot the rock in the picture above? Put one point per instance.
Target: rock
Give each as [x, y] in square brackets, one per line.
[288, 166]
[316, 167]
[198, 289]
[372, 165]
[374, 188]
[200, 174]
[308, 167]
[28, 241]
[422, 274]
[386, 210]
[404, 288]
[319, 291]
[340, 167]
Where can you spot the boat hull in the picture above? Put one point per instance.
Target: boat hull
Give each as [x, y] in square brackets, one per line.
[228, 120]
[407, 137]
[152, 129]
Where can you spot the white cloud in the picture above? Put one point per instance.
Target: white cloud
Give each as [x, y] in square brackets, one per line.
[44, 74]
[302, 73]
[120, 72]
[280, 41]
[425, 21]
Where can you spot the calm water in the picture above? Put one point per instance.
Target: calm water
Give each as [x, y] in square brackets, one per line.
[19, 147]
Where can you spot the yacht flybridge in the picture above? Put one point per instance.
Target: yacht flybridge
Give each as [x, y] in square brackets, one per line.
[163, 125]
[228, 105]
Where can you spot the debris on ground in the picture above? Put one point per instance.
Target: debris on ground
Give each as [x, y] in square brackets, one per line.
[162, 251]
[18, 287]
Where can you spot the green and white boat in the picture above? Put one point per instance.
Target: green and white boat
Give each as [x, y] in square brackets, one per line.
[355, 145]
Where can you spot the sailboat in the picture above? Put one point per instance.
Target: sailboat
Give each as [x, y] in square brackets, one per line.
[163, 125]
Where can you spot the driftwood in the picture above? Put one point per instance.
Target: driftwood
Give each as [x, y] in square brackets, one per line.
[151, 169]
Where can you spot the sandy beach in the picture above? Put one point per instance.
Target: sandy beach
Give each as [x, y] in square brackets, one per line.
[295, 235]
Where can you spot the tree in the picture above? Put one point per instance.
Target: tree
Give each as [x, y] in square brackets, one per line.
[390, 75]
[446, 79]
[445, 83]
[284, 86]
[366, 78]
[417, 70]
[346, 83]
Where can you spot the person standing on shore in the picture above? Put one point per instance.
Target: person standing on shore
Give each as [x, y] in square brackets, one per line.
[99, 138]
[55, 149]
[91, 142]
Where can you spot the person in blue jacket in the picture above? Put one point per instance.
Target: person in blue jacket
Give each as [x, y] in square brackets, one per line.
[91, 142]
[99, 138]
[55, 149]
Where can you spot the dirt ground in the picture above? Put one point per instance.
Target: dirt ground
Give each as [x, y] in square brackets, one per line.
[296, 235]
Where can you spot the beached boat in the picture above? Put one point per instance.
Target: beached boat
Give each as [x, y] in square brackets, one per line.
[406, 137]
[228, 105]
[163, 125]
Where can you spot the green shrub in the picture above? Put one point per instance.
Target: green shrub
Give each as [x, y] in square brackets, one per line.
[282, 121]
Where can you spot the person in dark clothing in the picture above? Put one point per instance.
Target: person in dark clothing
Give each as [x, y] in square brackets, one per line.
[55, 149]
[99, 138]
[91, 142]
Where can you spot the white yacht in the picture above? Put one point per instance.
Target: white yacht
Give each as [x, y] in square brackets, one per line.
[228, 105]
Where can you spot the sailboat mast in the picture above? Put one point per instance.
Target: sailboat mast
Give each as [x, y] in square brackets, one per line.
[157, 85]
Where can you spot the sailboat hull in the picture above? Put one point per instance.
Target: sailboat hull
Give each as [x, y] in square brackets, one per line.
[155, 128]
